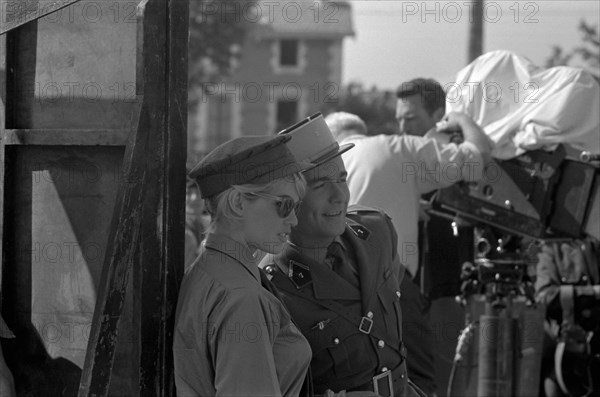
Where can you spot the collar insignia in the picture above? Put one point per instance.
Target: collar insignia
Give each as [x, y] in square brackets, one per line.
[299, 274]
[360, 231]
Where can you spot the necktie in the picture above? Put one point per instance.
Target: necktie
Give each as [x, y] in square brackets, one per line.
[338, 261]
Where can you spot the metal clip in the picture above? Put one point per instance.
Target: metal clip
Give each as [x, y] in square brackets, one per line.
[365, 325]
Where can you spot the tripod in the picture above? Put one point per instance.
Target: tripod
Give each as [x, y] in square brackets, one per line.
[502, 341]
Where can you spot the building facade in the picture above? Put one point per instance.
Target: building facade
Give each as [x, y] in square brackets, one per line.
[290, 64]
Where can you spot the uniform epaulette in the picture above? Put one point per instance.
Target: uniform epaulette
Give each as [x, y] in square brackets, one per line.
[357, 209]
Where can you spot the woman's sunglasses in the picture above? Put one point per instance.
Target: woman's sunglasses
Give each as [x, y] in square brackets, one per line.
[285, 204]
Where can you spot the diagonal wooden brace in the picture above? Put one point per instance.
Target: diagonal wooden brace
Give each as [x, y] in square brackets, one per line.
[18, 12]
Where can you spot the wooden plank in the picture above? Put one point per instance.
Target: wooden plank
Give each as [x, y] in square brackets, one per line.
[124, 250]
[86, 137]
[2, 189]
[20, 12]
[160, 279]
[121, 255]
[2, 133]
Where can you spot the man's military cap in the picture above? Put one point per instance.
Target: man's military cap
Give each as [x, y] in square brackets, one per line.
[313, 141]
[249, 159]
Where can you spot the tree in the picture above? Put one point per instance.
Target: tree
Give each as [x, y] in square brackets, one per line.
[217, 30]
[377, 108]
[588, 52]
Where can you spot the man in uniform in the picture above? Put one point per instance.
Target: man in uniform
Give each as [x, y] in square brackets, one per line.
[391, 172]
[340, 274]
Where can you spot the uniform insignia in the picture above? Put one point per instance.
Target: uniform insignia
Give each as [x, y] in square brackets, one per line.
[360, 231]
[299, 274]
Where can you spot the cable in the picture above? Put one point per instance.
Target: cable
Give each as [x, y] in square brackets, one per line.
[464, 339]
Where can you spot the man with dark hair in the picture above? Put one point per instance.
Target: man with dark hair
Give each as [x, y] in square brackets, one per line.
[421, 104]
[340, 275]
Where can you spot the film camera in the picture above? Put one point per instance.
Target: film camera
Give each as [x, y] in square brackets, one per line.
[536, 196]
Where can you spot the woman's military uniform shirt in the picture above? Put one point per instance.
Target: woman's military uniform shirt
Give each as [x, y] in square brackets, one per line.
[232, 336]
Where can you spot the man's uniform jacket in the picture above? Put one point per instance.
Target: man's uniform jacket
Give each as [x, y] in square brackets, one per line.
[329, 310]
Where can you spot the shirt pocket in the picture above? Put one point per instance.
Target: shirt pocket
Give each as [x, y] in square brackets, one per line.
[329, 347]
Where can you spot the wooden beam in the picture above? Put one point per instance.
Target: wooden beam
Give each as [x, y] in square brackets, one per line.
[20, 12]
[149, 216]
[120, 256]
[161, 266]
[85, 137]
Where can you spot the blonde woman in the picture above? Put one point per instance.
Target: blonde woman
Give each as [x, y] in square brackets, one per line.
[233, 336]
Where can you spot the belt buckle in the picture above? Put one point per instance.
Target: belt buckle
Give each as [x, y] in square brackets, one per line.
[383, 384]
[365, 325]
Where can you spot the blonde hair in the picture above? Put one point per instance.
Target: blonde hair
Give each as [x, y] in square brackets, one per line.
[221, 206]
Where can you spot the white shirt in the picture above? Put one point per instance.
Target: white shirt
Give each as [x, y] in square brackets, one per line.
[391, 172]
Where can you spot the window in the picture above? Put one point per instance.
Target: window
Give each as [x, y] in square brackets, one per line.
[287, 114]
[288, 52]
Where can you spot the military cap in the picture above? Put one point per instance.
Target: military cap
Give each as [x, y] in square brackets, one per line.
[248, 159]
[313, 141]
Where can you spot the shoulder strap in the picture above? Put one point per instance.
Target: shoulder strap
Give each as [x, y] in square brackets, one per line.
[568, 320]
[592, 260]
[567, 306]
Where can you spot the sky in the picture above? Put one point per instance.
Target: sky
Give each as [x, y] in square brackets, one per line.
[399, 40]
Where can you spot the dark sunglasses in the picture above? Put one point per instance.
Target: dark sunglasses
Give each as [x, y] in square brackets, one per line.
[285, 204]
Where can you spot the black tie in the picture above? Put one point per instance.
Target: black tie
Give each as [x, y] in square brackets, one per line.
[338, 261]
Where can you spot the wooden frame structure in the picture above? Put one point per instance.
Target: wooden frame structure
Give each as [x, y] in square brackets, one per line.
[128, 346]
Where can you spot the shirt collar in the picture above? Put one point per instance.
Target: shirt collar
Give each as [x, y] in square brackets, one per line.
[352, 137]
[338, 239]
[235, 250]
[319, 252]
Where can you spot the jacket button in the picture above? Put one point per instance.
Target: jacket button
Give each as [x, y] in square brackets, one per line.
[381, 344]
[336, 341]
[398, 294]
[370, 314]
[384, 369]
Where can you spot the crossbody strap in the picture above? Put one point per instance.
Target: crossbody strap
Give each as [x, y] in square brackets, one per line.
[352, 318]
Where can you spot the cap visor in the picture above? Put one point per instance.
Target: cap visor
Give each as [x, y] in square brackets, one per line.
[342, 149]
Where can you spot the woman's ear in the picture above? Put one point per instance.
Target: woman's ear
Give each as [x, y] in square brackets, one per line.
[236, 202]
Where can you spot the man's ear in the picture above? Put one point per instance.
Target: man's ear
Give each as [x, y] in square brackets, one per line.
[438, 114]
